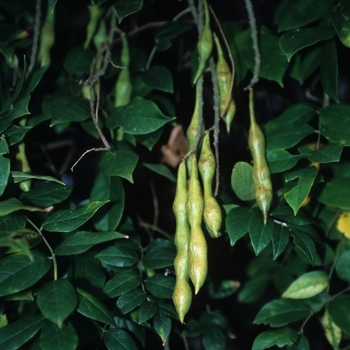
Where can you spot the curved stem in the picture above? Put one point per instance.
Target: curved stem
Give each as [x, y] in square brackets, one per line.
[150, 58]
[254, 33]
[53, 256]
[216, 120]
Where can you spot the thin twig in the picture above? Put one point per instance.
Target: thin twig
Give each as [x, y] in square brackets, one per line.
[254, 33]
[155, 204]
[53, 256]
[94, 116]
[86, 152]
[199, 106]
[193, 10]
[233, 70]
[36, 35]
[216, 121]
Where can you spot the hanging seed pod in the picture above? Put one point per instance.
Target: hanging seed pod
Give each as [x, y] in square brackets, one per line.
[198, 268]
[212, 213]
[261, 171]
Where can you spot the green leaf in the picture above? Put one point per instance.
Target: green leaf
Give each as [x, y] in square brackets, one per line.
[305, 179]
[339, 311]
[149, 140]
[11, 205]
[171, 30]
[254, 288]
[118, 255]
[78, 60]
[336, 193]
[4, 165]
[14, 335]
[162, 325]
[57, 300]
[163, 44]
[122, 282]
[139, 117]
[301, 344]
[307, 285]
[63, 338]
[237, 222]
[336, 123]
[80, 242]
[260, 234]
[297, 39]
[18, 176]
[66, 108]
[159, 78]
[16, 133]
[52, 4]
[108, 188]
[147, 310]
[326, 154]
[286, 137]
[329, 69]
[34, 79]
[91, 307]
[332, 332]
[160, 286]
[20, 109]
[86, 272]
[118, 339]
[280, 239]
[242, 181]
[305, 63]
[19, 273]
[225, 289]
[305, 244]
[13, 222]
[70, 220]
[130, 300]
[160, 254]
[292, 14]
[120, 162]
[124, 8]
[341, 22]
[273, 61]
[280, 312]
[161, 169]
[46, 194]
[214, 339]
[342, 266]
[279, 337]
[280, 160]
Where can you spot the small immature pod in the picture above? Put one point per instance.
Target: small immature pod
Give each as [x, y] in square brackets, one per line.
[95, 12]
[224, 82]
[212, 213]
[198, 268]
[182, 295]
[261, 171]
[47, 38]
[205, 44]
[123, 87]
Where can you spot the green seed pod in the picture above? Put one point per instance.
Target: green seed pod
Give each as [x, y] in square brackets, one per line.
[101, 35]
[224, 82]
[205, 44]
[198, 268]
[182, 295]
[123, 88]
[25, 167]
[95, 12]
[47, 38]
[261, 171]
[212, 213]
